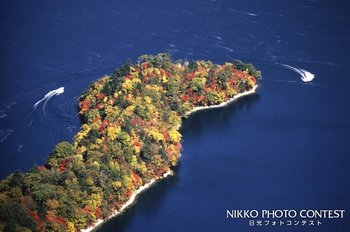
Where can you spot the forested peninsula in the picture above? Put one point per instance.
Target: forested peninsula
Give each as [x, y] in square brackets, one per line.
[129, 138]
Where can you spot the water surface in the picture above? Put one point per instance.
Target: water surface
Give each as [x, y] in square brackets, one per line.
[282, 148]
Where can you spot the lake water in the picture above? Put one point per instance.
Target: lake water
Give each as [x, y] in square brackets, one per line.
[286, 147]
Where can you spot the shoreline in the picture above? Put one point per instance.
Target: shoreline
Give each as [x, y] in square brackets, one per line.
[170, 172]
[198, 108]
[128, 203]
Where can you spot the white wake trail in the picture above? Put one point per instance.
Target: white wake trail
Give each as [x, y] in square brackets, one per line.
[306, 76]
[48, 96]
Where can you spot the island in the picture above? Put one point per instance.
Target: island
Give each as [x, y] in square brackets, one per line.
[129, 139]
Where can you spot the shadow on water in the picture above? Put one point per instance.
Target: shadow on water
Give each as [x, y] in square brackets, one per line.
[146, 204]
[209, 117]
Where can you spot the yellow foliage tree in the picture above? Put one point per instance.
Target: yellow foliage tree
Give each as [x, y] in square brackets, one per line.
[85, 129]
[127, 182]
[154, 133]
[117, 185]
[175, 136]
[113, 131]
[174, 119]
[70, 227]
[127, 85]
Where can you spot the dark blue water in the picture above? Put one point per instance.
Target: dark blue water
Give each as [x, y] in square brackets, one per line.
[287, 147]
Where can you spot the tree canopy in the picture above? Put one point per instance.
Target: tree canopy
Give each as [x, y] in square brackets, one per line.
[129, 135]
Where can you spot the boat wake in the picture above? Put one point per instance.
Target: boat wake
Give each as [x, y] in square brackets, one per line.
[305, 76]
[48, 96]
[4, 134]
